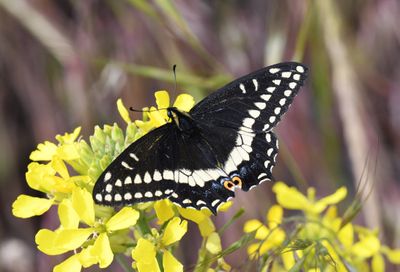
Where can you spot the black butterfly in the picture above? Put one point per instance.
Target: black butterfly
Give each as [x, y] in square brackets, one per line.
[224, 142]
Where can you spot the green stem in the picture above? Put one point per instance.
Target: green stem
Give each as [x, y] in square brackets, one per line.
[143, 224]
[231, 221]
[203, 263]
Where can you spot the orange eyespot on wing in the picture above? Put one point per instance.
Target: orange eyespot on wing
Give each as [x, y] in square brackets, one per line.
[237, 181]
[228, 184]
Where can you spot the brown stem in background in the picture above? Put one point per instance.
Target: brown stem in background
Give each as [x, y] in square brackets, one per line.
[351, 109]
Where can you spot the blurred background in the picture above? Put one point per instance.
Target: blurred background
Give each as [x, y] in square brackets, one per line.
[64, 63]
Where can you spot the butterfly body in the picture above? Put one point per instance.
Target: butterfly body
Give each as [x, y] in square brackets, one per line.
[198, 159]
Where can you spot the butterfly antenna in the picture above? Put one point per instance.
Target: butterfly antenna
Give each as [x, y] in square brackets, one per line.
[174, 71]
[148, 110]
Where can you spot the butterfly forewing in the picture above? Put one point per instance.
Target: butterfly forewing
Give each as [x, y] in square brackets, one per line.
[134, 176]
[230, 146]
[257, 100]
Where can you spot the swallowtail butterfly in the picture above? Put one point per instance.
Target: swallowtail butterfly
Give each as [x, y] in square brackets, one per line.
[199, 158]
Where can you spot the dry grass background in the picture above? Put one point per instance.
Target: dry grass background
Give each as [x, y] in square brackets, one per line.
[64, 63]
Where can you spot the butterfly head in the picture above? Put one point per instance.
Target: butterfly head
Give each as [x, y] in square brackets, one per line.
[182, 119]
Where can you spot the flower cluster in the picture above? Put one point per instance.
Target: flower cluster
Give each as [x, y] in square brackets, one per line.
[65, 172]
[89, 234]
[320, 239]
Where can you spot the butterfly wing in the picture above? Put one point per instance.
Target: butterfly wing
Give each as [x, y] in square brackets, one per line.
[134, 176]
[254, 102]
[165, 163]
[250, 107]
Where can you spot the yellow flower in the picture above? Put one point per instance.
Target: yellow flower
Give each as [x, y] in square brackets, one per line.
[80, 208]
[164, 211]
[157, 118]
[367, 247]
[66, 149]
[271, 236]
[290, 198]
[51, 178]
[145, 251]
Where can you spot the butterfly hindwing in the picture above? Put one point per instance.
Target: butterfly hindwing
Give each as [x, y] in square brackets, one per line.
[229, 145]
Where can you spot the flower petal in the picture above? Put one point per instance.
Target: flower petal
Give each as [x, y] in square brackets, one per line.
[123, 219]
[27, 206]
[288, 259]
[44, 152]
[101, 248]
[71, 239]
[274, 216]
[337, 260]
[378, 263]
[366, 247]
[83, 204]
[213, 244]
[148, 267]
[274, 239]
[225, 206]
[170, 263]
[145, 256]
[252, 250]
[252, 225]
[59, 165]
[346, 235]
[58, 242]
[45, 240]
[334, 198]
[71, 264]
[68, 152]
[289, 197]
[331, 220]
[123, 111]
[262, 233]
[144, 251]
[68, 217]
[157, 118]
[194, 215]
[86, 258]
[144, 126]
[69, 138]
[162, 99]
[164, 210]
[184, 102]
[174, 231]
[392, 254]
[206, 227]
[38, 175]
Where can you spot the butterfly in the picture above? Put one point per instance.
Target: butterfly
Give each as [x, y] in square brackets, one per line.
[223, 143]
